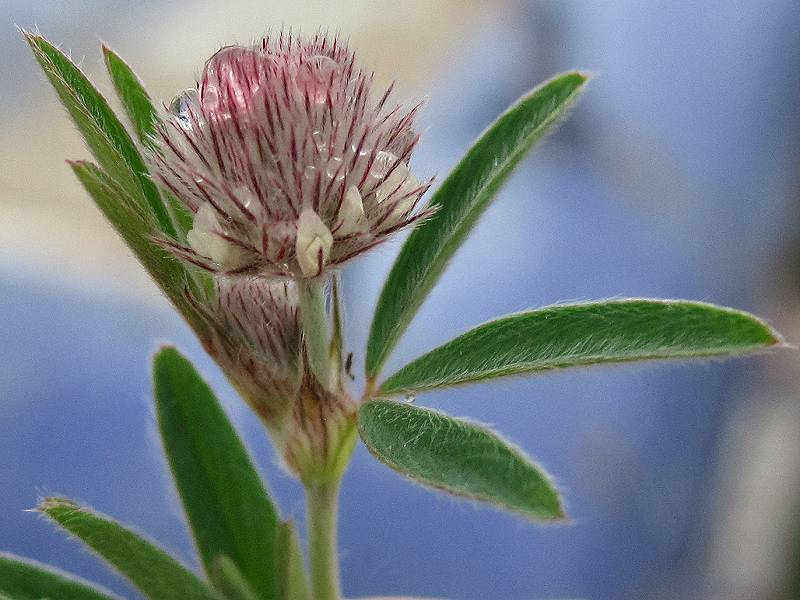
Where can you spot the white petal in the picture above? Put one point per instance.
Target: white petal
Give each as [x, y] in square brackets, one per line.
[205, 219]
[400, 211]
[205, 242]
[313, 239]
[402, 208]
[351, 213]
[395, 180]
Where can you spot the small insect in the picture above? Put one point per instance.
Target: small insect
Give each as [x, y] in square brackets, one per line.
[348, 365]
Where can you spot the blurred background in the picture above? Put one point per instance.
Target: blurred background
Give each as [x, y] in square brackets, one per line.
[677, 176]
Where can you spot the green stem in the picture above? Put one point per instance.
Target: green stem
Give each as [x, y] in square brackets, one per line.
[314, 321]
[323, 503]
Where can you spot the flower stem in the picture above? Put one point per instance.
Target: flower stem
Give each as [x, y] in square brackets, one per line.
[323, 504]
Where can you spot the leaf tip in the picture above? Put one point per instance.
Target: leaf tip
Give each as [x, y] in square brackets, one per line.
[166, 349]
[22, 31]
[770, 337]
[165, 353]
[49, 503]
[77, 164]
[560, 515]
[108, 53]
[775, 338]
[28, 35]
[555, 515]
[35, 40]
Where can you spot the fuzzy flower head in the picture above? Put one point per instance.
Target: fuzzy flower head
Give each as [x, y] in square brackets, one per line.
[255, 337]
[286, 160]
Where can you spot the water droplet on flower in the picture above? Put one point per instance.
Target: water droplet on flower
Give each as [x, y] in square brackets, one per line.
[392, 177]
[319, 139]
[310, 173]
[181, 106]
[245, 195]
[383, 162]
[354, 149]
[210, 97]
[322, 66]
[334, 168]
[410, 398]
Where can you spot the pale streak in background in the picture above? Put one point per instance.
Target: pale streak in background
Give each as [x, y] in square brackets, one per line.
[50, 228]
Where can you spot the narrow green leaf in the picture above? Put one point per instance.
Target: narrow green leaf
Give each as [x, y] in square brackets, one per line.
[230, 582]
[123, 213]
[144, 117]
[458, 457]
[291, 575]
[460, 201]
[157, 575]
[106, 137]
[584, 334]
[229, 510]
[22, 579]
[134, 98]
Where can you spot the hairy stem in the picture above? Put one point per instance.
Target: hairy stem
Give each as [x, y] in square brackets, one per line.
[323, 504]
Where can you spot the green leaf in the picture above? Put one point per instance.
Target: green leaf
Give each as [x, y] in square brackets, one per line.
[457, 457]
[229, 510]
[229, 581]
[134, 98]
[291, 574]
[123, 213]
[584, 334]
[157, 575]
[21, 579]
[106, 137]
[143, 116]
[459, 202]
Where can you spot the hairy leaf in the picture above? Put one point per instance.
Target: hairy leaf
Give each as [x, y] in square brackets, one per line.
[458, 457]
[143, 116]
[117, 206]
[106, 137]
[21, 579]
[584, 334]
[291, 576]
[229, 510]
[459, 202]
[134, 98]
[157, 575]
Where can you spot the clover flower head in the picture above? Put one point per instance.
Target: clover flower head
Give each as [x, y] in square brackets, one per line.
[255, 337]
[286, 161]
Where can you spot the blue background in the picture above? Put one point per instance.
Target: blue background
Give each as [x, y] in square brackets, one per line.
[676, 176]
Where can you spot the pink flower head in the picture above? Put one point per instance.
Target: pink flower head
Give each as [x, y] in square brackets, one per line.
[255, 337]
[286, 161]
